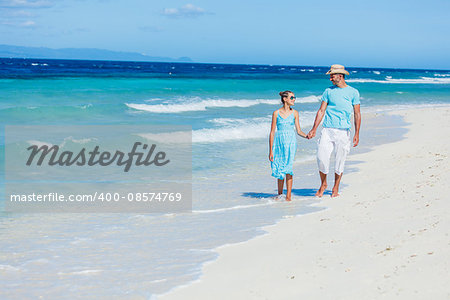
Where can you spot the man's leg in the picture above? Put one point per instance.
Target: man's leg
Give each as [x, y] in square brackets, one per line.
[323, 185]
[288, 186]
[343, 144]
[324, 150]
[337, 181]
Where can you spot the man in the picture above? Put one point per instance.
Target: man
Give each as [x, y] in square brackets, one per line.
[338, 102]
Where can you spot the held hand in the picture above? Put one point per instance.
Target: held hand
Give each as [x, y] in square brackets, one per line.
[311, 134]
[355, 140]
[271, 156]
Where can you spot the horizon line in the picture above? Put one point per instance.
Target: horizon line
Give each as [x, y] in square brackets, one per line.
[216, 63]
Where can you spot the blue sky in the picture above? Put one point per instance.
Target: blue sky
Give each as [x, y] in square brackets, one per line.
[394, 33]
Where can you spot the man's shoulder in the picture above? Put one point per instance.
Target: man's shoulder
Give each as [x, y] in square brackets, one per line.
[352, 89]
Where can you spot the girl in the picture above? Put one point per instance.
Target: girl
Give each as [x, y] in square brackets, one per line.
[282, 152]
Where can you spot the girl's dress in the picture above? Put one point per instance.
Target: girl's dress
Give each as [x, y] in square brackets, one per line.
[284, 147]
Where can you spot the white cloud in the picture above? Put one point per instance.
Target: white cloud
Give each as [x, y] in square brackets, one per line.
[28, 24]
[24, 24]
[19, 13]
[188, 11]
[25, 3]
[150, 29]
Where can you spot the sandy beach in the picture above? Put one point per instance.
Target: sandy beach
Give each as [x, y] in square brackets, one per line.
[385, 237]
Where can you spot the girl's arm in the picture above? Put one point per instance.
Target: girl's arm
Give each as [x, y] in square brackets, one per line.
[272, 134]
[297, 125]
[319, 117]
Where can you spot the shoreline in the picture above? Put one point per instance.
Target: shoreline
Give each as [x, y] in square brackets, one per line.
[255, 269]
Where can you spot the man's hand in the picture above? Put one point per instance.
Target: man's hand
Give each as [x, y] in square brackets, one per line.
[311, 134]
[355, 140]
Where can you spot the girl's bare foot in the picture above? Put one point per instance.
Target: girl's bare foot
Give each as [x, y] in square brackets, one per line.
[321, 190]
[277, 197]
[288, 198]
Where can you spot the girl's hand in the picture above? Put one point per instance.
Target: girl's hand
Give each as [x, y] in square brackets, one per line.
[271, 156]
[302, 134]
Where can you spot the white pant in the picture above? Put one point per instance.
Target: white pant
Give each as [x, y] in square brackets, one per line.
[337, 139]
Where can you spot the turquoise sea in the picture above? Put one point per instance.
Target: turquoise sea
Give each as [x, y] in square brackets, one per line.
[228, 107]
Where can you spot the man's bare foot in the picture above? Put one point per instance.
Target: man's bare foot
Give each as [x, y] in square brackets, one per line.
[334, 193]
[321, 190]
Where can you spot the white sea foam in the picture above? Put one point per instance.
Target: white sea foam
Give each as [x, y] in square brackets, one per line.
[207, 211]
[422, 80]
[228, 129]
[242, 129]
[77, 141]
[442, 75]
[196, 104]
[309, 99]
[229, 133]
[9, 268]
[376, 72]
[177, 137]
[86, 106]
[84, 272]
[396, 107]
[67, 139]
[39, 143]
[234, 122]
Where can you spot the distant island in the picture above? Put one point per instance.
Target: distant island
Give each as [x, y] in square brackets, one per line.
[10, 51]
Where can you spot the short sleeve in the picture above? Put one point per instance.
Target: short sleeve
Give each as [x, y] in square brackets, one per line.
[355, 100]
[325, 97]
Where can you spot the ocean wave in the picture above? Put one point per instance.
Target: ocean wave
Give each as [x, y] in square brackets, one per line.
[63, 143]
[229, 130]
[242, 129]
[202, 105]
[396, 107]
[175, 137]
[422, 80]
[229, 133]
[234, 122]
[208, 211]
[197, 106]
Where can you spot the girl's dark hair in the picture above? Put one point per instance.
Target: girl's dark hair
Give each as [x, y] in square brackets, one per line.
[284, 95]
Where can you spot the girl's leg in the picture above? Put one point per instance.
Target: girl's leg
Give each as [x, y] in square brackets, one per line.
[289, 181]
[280, 186]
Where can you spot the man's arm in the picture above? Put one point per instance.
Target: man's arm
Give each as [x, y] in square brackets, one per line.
[357, 112]
[319, 117]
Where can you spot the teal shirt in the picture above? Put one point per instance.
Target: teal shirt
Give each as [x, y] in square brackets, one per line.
[340, 106]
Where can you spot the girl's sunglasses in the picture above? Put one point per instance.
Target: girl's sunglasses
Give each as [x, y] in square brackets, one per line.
[292, 98]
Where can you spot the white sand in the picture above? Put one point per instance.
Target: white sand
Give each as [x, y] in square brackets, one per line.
[385, 237]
